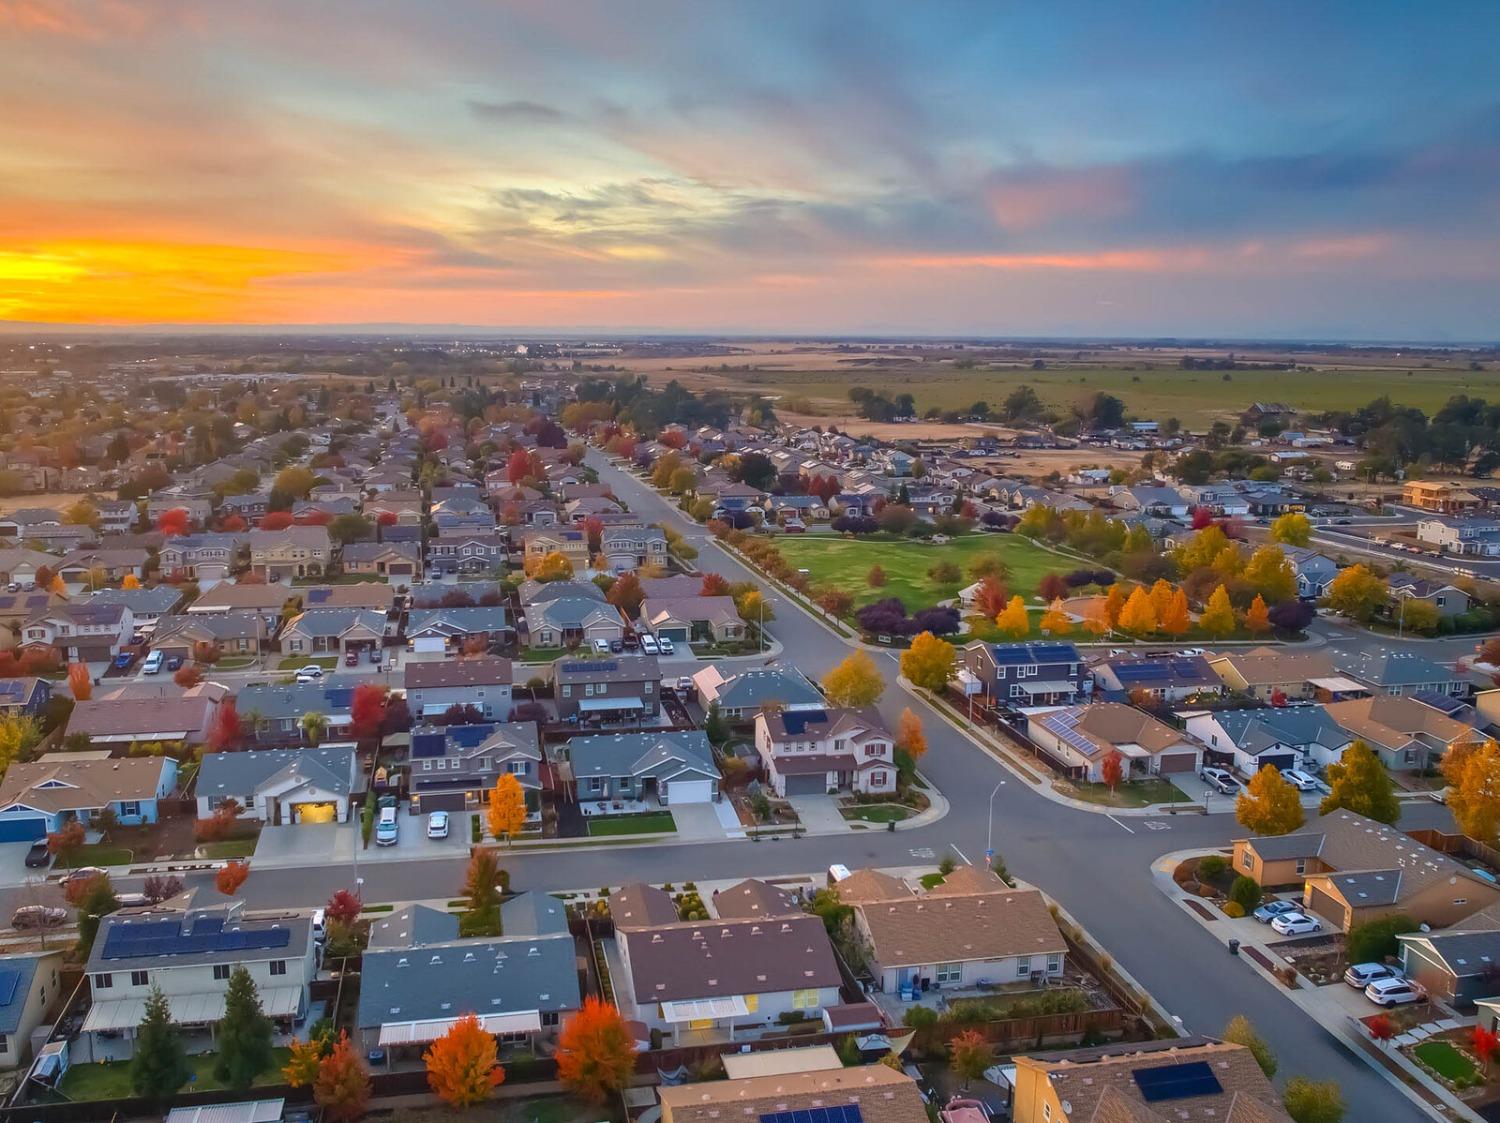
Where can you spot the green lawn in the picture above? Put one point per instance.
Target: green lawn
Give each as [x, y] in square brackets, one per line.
[1137, 793]
[651, 823]
[845, 562]
[932, 880]
[542, 654]
[297, 662]
[230, 848]
[112, 1081]
[877, 812]
[99, 854]
[1448, 1062]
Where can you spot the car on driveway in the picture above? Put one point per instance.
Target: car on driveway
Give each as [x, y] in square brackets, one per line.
[1272, 909]
[351, 657]
[648, 644]
[1361, 975]
[437, 825]
[174, 663]
[1296, 924]
[124, 659]
[38, 916]
[86, 873]
[1395, 991]
[310, 673]
[665, 644]
[1300, 780]
[38, 856]
[1220, 780]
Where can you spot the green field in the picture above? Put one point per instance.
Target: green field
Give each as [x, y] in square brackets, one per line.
[1195, 397]
[844, 562]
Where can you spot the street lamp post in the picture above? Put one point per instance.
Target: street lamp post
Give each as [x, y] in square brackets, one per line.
[989, 836]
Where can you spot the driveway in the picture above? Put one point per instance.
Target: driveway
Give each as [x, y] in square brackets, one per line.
[696, 821]
[306, 844]
[413, 845]
[13, 869]
[819, 813]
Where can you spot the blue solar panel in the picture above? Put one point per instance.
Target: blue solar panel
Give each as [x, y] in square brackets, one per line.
[847, 1113]
[339, 697]
[318, 596]
[1177, 1082]
[797, 721]
[469, 736]
[429, 744]
[10, 979]
[135, 941]
[1034, 653]
[577, 668]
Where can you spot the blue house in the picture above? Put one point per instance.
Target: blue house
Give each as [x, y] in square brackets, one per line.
[1026, 674]
[27, 697]
[44, 795]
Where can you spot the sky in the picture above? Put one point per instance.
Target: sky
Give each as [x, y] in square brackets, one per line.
[1123, 167]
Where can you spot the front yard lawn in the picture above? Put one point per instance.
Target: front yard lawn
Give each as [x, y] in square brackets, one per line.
[1136, 793]
[297, 662]
[112, 1081]
[230, 848]
[99, 854]
[1448, 1062]
[932, 880]
[651, 823]
[542, 654]
[876, 812]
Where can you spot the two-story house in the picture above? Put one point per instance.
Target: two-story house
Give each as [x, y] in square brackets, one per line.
[453, 768]
[26, 697]
[1471, 537]
[1025, 674]
[813, 751]
[627, 548]
[297, 551]
[619, 688]
[467, 553]
[1284, 737]
[434, 686]
[201, 557]
[81, 633]
[570, 542]
[29, 989]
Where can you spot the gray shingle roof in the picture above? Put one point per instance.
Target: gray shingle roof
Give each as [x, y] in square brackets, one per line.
[239, 774]
[661, 755]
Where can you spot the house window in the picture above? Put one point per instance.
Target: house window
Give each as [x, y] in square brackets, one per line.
[1054, 964]
[221, 970]
[1301, 865]
[752, 1002]
[567, 691]
[518, 768]
[427, 766]
[1015, 690]
[104, 982]
[1247, 860]
[278, 967]
[140, 978]
[950, 973]
[549, 1017]
[1046, 1110]
[805, 999]
[1023, 966]
[482, 764]
[588, 690]
[130, 807]
[877, 779]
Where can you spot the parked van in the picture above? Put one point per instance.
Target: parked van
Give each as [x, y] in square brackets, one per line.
[153, 663]
[385, 827]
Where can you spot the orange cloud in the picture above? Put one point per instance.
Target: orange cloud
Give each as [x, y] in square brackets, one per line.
[1128, 261]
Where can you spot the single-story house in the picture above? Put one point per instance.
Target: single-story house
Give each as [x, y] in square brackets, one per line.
[873, 1093]
[38, 797]
[272, 715]
[1167, 678]
[1405, 733]
[395, 561]
[124, 721]
[572, 620]
[1265, 671]
[235, 634]
[1286, 737]
[674, 768]
[741, 694]
[692, 619]
[1401, 672]
[438, 629]
[323, 631]
[1457, 966]
[1082, 738]
[279, 786]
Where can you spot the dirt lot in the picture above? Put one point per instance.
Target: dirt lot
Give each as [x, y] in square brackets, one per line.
[53, 500]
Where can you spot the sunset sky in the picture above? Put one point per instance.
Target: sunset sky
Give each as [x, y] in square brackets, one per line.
[1108, 168]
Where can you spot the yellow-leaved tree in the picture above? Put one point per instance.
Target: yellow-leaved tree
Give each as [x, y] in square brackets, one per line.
[854, 682]
[1013, 621]
[1161, 598]
[507, 810]
[1056, 622]
[1138, 615]
[929, 662]
[1269, 805]
[1218, 614]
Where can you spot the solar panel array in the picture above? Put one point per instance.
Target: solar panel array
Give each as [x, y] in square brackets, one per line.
[797, 721]
[1063, 723]
[584, 668]
[849, 1113]
[1177, 1082]
[469, 736]
[318, 596]
[1035, 653]
[165, 937]
[429, 744]
[1146, 670]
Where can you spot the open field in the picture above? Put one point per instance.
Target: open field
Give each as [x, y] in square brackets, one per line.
[52, 500]
[844, 563]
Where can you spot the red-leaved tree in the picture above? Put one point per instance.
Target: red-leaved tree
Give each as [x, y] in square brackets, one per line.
[276, 520]
[367, 708]
[1202, 518]
[344, 907]
[713, 585]
[226, 731]
[1484, 1043]
[231, 877]
[174, 523]
[518, 467]
[1113, 770]
[1381, 1028]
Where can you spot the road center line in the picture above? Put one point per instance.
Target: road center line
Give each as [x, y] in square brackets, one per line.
[1119, 824]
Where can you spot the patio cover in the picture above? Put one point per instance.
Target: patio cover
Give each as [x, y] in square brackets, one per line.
[1054, 687]
[700, 1009]
[1337, 684]
[595, 705]
[247, 1111]
[412, 1033]
[187, 1009]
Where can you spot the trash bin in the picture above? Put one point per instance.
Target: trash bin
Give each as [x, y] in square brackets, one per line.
[1234, 947]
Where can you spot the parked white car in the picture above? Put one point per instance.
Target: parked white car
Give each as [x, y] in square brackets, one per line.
[665, 645]
[437, 825]
[387, 830]
[648, 644]
[310, 673]
[1300, 780]
[1361, 975]
[1296, 924]
[1395, 991]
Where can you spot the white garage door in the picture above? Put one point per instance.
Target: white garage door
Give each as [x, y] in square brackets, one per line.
[690, 791]
[429, 645]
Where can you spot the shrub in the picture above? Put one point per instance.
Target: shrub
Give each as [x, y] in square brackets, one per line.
[1375, 939]
[1245, 893]
[1234, 910]
[919, 1016]
[1212, 866]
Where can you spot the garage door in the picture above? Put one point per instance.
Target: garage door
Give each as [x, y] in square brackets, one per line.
[429, 645]
[676, 635]
[1280, 761]
[1177, 762]
[815, 784]
[22, 830]
[314, 812]
[1328, 907]
[689, 791]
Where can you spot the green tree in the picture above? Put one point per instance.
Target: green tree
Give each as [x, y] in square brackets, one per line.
[350, 528]
[244, 1034]
[159, 1066]
[1314, 1101]
[1239, 1031]
[714, 725]
[314, 725]
[97, 903]
[1374, 940]
[1293, 529]
[1358, 782]
[1245, 892]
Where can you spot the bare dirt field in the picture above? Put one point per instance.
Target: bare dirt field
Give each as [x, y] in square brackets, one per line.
[52, 500]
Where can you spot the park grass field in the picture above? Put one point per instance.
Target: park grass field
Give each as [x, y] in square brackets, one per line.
[844, 563]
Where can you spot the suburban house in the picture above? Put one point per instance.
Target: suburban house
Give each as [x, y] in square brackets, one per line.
[297, 551]
[92, 569]
[1353, 869]
[1469, 537]
[571, 543]
[813, 751]
[19, 566]
[618, 688]
[395, 561]
[16, 609]
[147, 605]
[1166, 678]
[1401, 672]
[38, 797]
[1435, 495]
[273, 714]
[485, 683]
[419, 976]
[1286, 737]
[265, 601]
[1025, 674]
[1168, 1081]
[1456, 965]
[189, 952]
[200, 557]
[27, 697]
[121, 720]
[1407, 734]
[29, 988]
[462, 515]
[80, 633]
[1449, 600]
[1263, 672]
[568, 621]
[453, 768]
[693, 619]
[728, 975]
[754, 898]
[1082, 738]
[467, 553]
[280, 786]
[325, 631]
[870, 1093]
[673, 768]
[741, 694]
[235, 634]
[443, 629]
[1315, 570]
[970, 931]
[627, 548]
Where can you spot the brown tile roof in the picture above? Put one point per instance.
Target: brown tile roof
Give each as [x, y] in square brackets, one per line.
[1391, 721]
[641, 906]
[882, 1094]
[950, 929]
[1099, 1086]
[1266, 666]
[140, 717]
[717, 958]
[484, 671]
[88, 783]
[871, 885]
[754, 898]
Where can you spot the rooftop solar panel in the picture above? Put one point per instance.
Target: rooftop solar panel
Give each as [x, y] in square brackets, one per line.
[846, 1113]
[147, 940]
[1177, 1082]
[318, 596]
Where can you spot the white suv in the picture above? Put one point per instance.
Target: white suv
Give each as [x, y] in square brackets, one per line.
[1300, 780]
[649, 645]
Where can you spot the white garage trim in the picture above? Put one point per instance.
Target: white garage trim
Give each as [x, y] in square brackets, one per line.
[690, 791]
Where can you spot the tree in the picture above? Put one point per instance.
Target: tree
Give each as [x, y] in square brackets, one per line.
[367, 708]
[276, 520]
[344, 907]
[1113, 770]
[159, 1066]
[97, 902]
[463, 1067]
[507, 810]
[713, 586]
[1357, 593]
[1055, 621]
[1114, 602]
[1052, 586]
[1138, 615]
[1218, 615]
[1013, 621]
[1381, 1027]
[1375, 940]
[220, 823]
[304, 1060]
[1484, 1042]
[1176, 621]
[244, 1036]
[1419, 616]
[909, 736]
[1358, 782]
[226, 730]
[969, 1054]
[174, 523]
[68, 838]
[1258, 616]
[1271, 574]
[753, 608]
[19, 734]
[56, 586]
[876, 577]
[1293, 529]
[481, 881]
[1269, 805]
[928, 662]
[80, 682]
[991, 596]
[626, 594]
[159, 888]
[342, 1089]
[1473, 775]
[595, 1051]
[1239, 1031]
[1313, 1101]
[553, 567]
[130, 581]
[231, 877]
[1161, 598]
[188, 676]
[313, 725]
[715, 727]
[1096, 618]
[854, 682]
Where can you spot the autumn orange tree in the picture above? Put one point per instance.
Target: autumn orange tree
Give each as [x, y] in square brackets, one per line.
[595, 1051]
[462, 1065]
[969, 1054]
[1175, 620]
[1113, 770]
[1013, 621]
[80, 682]
[909, 736]
[1055, 621]
[342, 1088]
[1258, 616]
[1137, 615]
[231, 877]
[991, 596]
[507, 810]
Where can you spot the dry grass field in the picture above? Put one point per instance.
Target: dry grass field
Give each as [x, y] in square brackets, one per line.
[53, 500]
